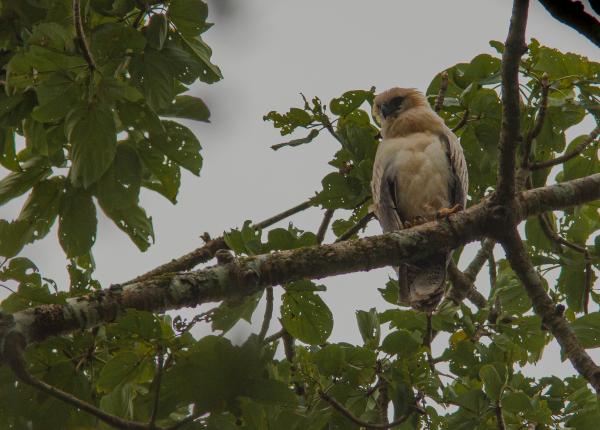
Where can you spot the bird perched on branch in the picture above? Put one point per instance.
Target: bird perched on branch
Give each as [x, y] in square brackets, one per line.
[419, 174]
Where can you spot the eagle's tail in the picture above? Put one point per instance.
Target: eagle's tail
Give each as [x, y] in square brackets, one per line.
[422, 282]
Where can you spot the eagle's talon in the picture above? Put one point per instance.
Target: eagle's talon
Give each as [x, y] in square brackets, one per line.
[446, 212]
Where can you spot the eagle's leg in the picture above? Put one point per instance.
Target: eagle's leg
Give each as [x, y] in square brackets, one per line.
[446, 212]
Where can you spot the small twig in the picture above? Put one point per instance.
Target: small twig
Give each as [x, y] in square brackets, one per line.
[13, 356]
[156, 383]
[8, 288]
[539, 121]
[462, 287]
[499, 417]
[324, 225]
[567, 156]
[354, 229]
[463, 121]
[275, 336]
[551, 234]
[473, 269]
[345, 412]
[87, 53]
[439, 100]
[383, 398]
[268, 314]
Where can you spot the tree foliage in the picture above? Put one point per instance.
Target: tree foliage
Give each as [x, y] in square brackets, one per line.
[83, 127]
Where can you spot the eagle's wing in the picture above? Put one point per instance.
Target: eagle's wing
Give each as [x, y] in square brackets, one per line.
[458, 186]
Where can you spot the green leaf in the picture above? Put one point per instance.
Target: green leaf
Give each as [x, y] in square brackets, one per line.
[56, 96]
[306, 317]
[35, 137]
[8, 154]
[41, 208]
[161, 173]
[123, 367]
[187, 107]
[350, 101]
[587, 330]
[331, 360]
[16, 183]
[92, 133]
[290, 121]
[200, 53]
[516, 402]
[290, 238]
[119, 187]
[133, 221]
[180, 145]
[492, 383]
[510, 291]
[77, 222]
[157, 30]
[189, 16]
[402, 342]
[153, 74]
[368, 325]
[110, 41]
[227, 315]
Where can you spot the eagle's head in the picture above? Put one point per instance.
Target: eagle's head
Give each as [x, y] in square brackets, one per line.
[392, 103]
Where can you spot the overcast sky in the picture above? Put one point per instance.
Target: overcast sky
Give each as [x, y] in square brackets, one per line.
[269, 51]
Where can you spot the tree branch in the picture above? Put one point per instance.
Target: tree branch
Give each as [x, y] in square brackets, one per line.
[345, 412]
[156, 382]
[539, 121]
[511, 123]
[550, 313]
[324, 225]
[439, 100]
[268, 314]
[207, 252]
[551, 234]
[14, 346]
[573, 14]
[567, 156]
[499, 417]
[245, 276]
[362, 223]
[85, 47]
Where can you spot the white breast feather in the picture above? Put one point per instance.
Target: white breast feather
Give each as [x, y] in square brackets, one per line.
[422, 172]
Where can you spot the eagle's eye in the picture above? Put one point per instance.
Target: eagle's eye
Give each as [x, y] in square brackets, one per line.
[397, 101]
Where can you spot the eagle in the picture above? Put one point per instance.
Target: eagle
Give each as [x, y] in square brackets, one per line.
[419, 174]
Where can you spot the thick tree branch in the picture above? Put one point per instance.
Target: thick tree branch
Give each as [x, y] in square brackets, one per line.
[207, 252]
[511, 124]
[573, 14]
[571, 154]
[245, 276]
[551, 314]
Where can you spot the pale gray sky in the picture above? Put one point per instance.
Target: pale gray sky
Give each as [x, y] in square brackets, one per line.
[269, 51]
